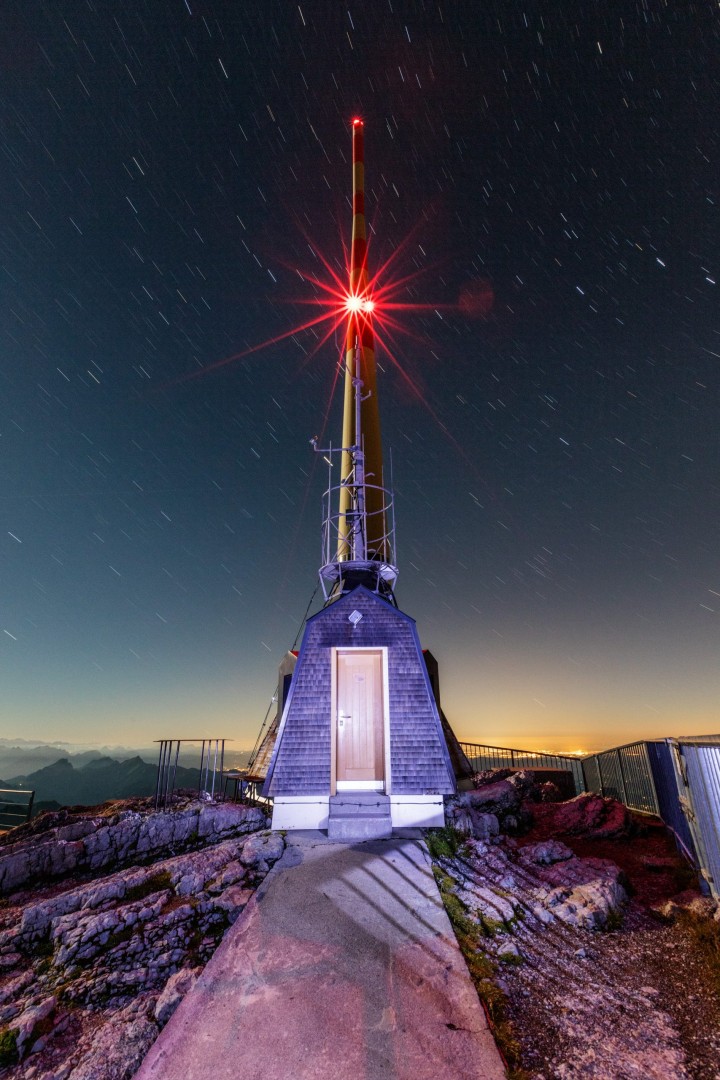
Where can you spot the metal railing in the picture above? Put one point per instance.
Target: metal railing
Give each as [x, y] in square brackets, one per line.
[676, 779]
[623, 773]
[212, 760]
[16, 810]
[502, 757]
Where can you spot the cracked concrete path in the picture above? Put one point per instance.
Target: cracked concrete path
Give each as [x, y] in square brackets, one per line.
[343, 965]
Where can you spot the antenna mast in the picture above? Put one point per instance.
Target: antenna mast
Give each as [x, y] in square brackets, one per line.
[358, 537]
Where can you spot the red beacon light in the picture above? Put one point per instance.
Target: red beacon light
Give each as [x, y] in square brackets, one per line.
[357, 121]
[355, 304]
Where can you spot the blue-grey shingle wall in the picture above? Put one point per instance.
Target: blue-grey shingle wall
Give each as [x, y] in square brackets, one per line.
[420, 763]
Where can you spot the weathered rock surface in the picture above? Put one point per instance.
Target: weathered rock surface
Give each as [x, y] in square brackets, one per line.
[497, 805]
[502, 884]
[596, 987]
[688, 902]
[91, 970]
[593, 817]
[114, 835]
[539, 921]
[509, 797]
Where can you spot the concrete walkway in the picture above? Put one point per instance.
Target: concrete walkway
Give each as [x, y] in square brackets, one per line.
[343, 966]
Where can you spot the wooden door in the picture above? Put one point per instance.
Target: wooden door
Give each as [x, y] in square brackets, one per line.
[360, 718]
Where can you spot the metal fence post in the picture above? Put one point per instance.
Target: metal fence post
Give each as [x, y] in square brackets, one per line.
[621, 772]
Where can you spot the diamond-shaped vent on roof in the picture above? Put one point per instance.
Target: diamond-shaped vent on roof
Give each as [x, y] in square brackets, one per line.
[354, 617]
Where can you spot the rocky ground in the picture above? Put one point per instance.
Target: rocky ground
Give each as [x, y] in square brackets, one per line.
[599, 974]
[587, 967]
[106, 918]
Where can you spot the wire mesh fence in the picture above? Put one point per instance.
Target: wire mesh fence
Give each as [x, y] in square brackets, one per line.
[677, 779]
[623, 773]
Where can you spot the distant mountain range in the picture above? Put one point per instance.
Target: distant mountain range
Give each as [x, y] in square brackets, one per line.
[20, 757]
[65, 783]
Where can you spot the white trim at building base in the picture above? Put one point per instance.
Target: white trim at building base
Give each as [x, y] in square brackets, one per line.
[311, 812]
[300, 812]
[417, 811]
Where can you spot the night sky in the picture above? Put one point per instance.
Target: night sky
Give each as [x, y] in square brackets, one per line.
[542, 183]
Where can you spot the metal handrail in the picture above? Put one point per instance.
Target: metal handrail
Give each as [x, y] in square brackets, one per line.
[26, 812]
[210, 768]
[518, 759]
[522, 753]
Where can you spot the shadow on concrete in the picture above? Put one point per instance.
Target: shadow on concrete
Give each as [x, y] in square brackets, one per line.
[343, 965]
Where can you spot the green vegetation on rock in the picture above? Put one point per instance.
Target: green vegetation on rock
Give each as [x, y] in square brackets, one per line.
[444, 843]
[8, 1048]
[155, 883]
[469, 933]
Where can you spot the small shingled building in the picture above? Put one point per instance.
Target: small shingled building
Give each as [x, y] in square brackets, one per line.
[360, 722]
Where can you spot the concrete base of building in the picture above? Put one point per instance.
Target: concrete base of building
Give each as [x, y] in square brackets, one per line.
[359, 815]
[313, 811]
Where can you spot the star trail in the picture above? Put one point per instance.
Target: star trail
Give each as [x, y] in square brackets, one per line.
[542, 202]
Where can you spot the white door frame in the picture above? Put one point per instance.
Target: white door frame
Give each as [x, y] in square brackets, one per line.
[335, 651]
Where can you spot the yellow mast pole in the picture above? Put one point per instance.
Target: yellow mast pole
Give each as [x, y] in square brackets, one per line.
[360, 355]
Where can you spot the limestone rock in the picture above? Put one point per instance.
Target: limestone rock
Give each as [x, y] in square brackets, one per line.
[502, 794]
[509, 952]
[93, 968]
[592, 816]
[546, 852]
[462, 815]
[523, 781]
[497, 798]
[262, 849]
[117, 1048]
[105, 839]
[175, 990]
[27, 1023]
[586, 906]
[544, 883]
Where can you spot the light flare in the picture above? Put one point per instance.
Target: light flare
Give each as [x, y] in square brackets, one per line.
[356, 304]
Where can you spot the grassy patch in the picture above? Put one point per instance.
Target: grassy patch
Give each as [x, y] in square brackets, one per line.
[8, 1048]
[511, 958]
[175, 902]
[614, 920]
[444, 843]
[119, 937]
[469, 934]
[155, 883]
[490, 927]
